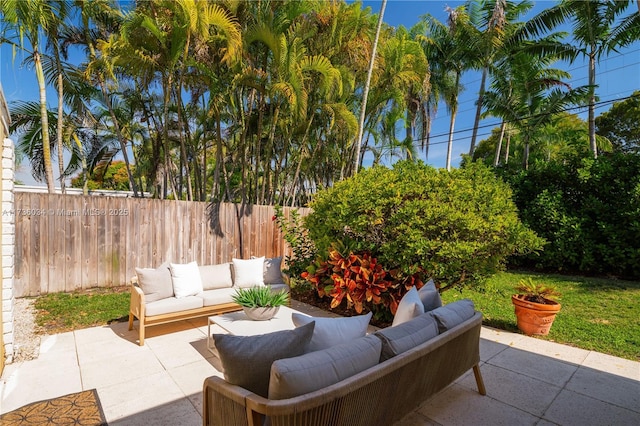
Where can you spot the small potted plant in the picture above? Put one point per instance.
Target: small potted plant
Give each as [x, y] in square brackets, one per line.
[535, 307]
[260, 303]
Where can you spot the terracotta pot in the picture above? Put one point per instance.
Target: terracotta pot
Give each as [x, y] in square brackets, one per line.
[261, 313]
[534, 318]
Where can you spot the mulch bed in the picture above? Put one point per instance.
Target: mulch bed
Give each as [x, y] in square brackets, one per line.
[310, 297]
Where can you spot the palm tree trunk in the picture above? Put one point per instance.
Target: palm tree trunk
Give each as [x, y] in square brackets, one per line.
[592, 104]
[60, 129]
[450, 142]
[46, 147]
[476, 121]
[496, 158]
[365, 94]
[506, 151]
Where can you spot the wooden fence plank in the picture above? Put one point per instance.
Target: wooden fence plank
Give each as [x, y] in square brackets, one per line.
[68, 242]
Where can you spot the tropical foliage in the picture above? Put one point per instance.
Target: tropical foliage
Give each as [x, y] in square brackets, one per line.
[257, 101]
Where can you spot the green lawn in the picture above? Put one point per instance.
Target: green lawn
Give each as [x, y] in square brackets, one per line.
[597, 314]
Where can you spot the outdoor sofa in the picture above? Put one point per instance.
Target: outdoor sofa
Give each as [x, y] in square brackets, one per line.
[374, 380]
[175, 292]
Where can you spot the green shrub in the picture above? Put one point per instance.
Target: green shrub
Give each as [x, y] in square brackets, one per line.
[457, 227]
[588, 209]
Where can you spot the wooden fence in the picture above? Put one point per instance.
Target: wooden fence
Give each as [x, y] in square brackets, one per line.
[71, 242]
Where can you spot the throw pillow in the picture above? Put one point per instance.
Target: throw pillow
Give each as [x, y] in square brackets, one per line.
[410, 306]
[316, 370]
[401, 338]
[155, 283]
[186, 279]
[248, 272]
[216, 276]
[452, 314]
[273, 270]
[430, 296]
[246, 360]
[329, 332]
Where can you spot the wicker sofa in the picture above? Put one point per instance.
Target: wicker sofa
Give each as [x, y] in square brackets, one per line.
[378, 395]
[155, 297]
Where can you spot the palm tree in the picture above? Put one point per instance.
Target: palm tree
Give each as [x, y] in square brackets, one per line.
[365, 93]
[495, 22]
[31, 19]
[536, 93]
[596, 30]
[450, 50]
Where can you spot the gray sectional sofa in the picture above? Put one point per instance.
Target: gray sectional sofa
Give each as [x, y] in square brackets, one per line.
[174, 292]
[375, 379]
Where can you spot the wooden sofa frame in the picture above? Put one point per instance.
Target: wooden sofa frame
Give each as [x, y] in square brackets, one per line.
[137, 310]
[379, 395]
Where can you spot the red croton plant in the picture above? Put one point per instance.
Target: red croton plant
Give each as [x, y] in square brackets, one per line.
[359, 279]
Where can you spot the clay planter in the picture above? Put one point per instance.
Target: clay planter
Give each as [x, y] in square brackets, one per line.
[534, 318]
[261, 313]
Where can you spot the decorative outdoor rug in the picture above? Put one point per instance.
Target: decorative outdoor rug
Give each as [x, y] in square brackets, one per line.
[82, 408]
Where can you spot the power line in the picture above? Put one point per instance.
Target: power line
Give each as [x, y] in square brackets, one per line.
[484, 126]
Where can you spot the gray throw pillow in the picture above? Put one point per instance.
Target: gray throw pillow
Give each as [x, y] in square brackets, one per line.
[333, 331]
[430, 296]
[247, 360]
[316, 370]
[273, 270]
[401, 338]
[410, 306]
[156, 284]
[452, 314]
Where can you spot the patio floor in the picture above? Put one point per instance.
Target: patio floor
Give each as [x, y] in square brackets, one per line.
[529, 381]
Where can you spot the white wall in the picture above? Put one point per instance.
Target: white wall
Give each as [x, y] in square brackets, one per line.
[8, 245]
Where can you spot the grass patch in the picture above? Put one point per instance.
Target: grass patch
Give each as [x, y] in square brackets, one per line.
[602, 315]
[597, 314]
[59, 312]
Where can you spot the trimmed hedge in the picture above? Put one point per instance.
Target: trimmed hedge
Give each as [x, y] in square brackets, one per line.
[457, 227]
[587, 209]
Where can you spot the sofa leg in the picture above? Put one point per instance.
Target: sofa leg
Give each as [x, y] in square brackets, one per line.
[130, 321]
[141, 333]
[479, 381]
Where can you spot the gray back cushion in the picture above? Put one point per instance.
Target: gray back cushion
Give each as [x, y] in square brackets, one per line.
[430, 296]
[216, 276]
[156, 283]
[452, 314]
[401, 338]
[316, 370]
[247, 360]
[333, 331]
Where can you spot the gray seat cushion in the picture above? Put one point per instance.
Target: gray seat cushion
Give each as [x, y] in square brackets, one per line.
[452, 314]
[333, 331]
[247, 360]
[401, 338]
[316, 370]
[156, 283]
[172, 304]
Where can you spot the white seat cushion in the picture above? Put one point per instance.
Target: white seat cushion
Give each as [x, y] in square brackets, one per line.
[172, 304]
[217, 296]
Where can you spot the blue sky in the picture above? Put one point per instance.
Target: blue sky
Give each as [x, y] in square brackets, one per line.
[617, 76]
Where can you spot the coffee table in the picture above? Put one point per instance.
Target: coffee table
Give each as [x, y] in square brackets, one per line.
[239, 324]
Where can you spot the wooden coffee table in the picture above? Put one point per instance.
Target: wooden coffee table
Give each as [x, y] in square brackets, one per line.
[239, 324]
